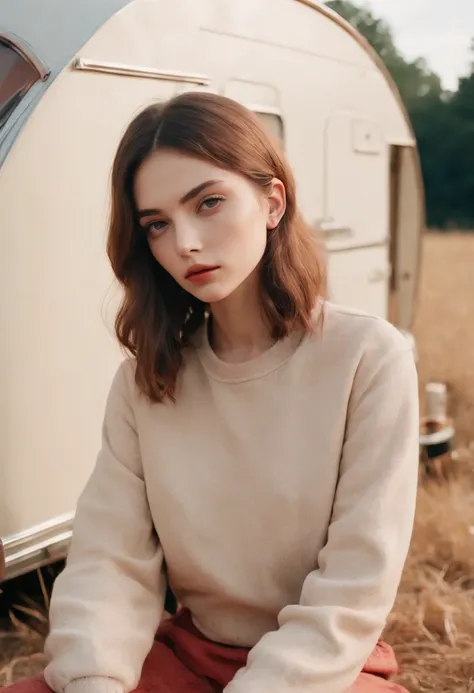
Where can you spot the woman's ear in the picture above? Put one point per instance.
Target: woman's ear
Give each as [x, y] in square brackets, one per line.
[276, 203]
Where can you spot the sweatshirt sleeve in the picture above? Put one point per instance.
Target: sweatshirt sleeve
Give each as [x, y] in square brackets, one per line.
[323, 642]
[107, 603]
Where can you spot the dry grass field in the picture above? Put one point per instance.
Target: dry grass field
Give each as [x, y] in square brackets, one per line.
[444, 326]
[432, 625]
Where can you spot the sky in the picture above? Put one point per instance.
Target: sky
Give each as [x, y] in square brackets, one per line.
[438, 30]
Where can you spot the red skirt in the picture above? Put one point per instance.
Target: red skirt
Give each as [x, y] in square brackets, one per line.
[183, 660]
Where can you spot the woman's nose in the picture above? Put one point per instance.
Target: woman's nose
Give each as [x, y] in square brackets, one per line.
[188, 240]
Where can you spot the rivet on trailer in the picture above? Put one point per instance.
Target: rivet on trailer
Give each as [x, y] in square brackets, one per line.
[72, 74]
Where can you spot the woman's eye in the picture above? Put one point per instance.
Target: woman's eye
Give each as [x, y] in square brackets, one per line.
[156, 228]
[211, 202]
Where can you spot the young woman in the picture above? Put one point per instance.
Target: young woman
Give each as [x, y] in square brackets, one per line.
[260, 445]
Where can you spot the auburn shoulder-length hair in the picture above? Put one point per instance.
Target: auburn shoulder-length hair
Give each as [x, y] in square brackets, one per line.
[157, 318]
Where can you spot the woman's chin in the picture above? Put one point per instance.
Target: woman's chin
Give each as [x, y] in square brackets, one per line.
[210, 293]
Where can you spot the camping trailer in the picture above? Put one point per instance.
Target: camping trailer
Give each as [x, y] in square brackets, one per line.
[72, 75]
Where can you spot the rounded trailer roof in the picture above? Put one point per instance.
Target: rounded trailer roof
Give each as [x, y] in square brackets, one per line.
[52, 31]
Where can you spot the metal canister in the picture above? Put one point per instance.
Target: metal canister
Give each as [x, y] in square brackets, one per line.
[436, 404]
[436, 431]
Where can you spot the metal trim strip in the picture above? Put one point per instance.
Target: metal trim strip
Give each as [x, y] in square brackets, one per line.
[124, 70]
[35, 547]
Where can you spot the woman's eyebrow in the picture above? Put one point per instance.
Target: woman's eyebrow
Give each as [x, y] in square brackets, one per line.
[186, 198]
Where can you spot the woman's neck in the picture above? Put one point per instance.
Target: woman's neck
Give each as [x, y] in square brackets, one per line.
[239, 331]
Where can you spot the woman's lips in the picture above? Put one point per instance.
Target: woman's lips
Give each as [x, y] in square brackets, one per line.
[200, 274]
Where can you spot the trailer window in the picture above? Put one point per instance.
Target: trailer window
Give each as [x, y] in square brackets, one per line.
[273, 125]
[17, 76]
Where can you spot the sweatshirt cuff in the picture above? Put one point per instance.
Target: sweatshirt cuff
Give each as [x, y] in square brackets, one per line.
[95, 684]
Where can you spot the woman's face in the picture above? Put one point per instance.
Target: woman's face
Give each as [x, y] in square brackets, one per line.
[206, 226]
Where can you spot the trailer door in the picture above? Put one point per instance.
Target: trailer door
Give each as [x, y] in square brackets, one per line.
[356, 212]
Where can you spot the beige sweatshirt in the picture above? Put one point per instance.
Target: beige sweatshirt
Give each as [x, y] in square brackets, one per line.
[282, 491]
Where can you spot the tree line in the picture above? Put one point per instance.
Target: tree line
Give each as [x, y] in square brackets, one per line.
[443, 122]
